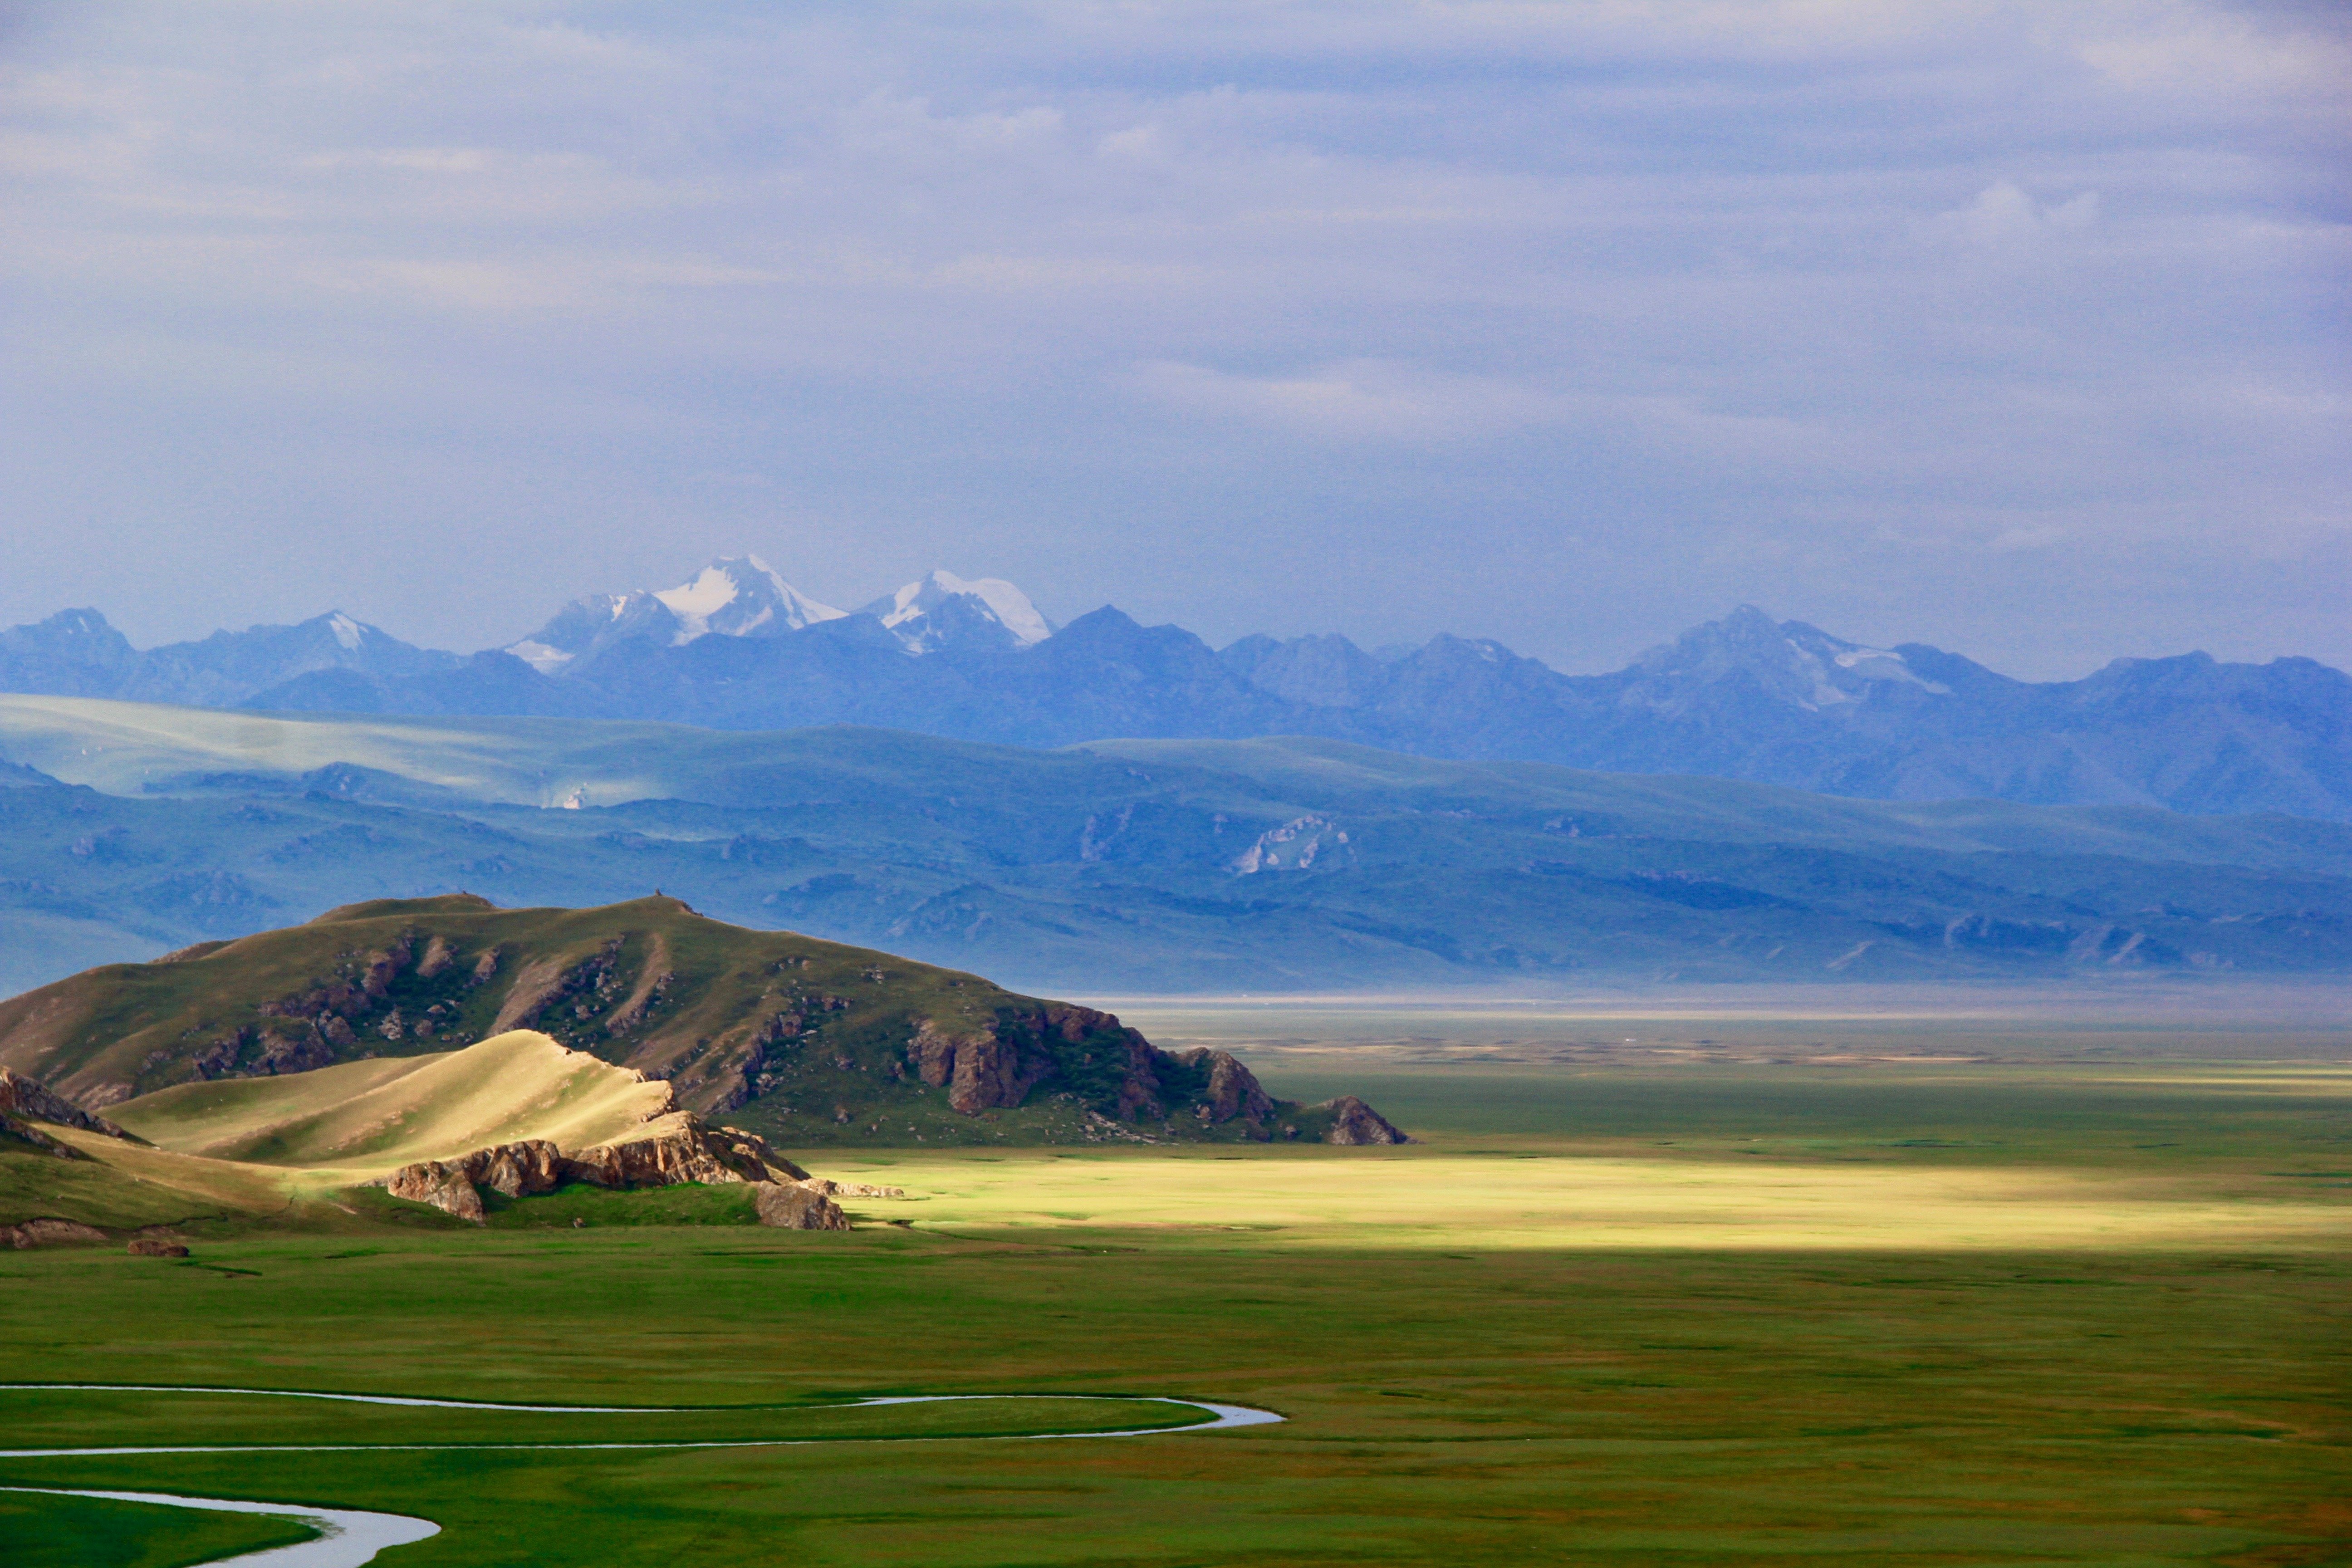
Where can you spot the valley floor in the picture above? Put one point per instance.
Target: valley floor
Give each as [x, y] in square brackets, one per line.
[2057, 1308]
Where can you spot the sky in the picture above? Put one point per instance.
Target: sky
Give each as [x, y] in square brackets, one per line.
[2020, 329]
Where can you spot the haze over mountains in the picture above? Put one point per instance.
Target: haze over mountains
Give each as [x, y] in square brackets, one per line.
[737, 646]
[1258, 865]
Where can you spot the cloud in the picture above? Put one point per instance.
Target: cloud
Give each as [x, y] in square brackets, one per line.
[1107, 297]
[1358, 400]
[2003, 214]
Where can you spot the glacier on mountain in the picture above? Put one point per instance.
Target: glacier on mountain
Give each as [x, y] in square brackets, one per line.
[928, 614]
[736, 595]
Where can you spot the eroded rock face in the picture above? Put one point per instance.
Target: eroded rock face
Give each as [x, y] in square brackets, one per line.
[1353, 1121]
[1114, 1068]
[156, 1247]
[668, 1151]
[1232, 1088]
[34, 1100]
[980, 1071]
[446, 1187]
[791, 1205]
[516, 1170]
[48, 1233]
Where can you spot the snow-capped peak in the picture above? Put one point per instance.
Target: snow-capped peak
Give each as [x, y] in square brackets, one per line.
[347, 631]
[1797, 663]
[925, 613]
[738, 595]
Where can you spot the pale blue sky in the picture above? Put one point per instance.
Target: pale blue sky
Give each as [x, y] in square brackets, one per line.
[2017, 328]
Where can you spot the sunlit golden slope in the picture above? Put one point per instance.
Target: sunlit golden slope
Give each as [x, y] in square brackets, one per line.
[385, 1113]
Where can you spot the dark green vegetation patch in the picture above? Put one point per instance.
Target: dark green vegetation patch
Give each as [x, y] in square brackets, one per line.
[100, 1532]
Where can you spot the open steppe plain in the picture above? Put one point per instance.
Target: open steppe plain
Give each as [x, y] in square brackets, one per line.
[1663, 1284]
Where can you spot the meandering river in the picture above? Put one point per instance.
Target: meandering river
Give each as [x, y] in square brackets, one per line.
[349, 1537]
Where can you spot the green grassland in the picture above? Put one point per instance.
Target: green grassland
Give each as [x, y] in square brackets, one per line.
[95, 1532]
[1618, 1312]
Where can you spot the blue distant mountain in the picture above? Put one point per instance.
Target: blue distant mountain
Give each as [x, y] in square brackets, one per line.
[738, 647]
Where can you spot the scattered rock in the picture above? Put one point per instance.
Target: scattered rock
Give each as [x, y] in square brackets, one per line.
[156, 1247]
[1353, 1121]
[850, 1189]
[789, 1205]
[48, 1233]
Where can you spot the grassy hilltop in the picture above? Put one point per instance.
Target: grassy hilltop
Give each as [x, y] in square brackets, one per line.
[805, 1041]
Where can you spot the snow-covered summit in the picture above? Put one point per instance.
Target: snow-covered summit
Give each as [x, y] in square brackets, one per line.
[736, 595]
[739, 596]
[1797, 663]
[943, 608]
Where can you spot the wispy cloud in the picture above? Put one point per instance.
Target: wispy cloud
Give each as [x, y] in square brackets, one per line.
[1107, 295]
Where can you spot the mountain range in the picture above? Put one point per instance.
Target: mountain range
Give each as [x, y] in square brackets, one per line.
[1745, 697]
[1158, 866]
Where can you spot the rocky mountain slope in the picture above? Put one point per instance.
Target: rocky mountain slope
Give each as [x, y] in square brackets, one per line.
[801, 1040]
[739, 647]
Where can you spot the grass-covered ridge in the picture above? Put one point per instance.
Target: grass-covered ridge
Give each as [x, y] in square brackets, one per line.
[321, 1044]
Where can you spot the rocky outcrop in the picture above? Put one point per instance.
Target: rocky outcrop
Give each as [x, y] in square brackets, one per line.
[669, 1150]
[793, 1206]
[48, 1233]
[156, 1247]
[29, 1099]
[1353, 1121]
[1113, 1069]
[1232, 1088]
[24, 1103]
[445, 1186]
[516, 1170]
[980, 1071]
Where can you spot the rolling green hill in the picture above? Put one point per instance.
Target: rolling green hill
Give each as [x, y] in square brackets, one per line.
[1273, 864]
[807, 1042]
